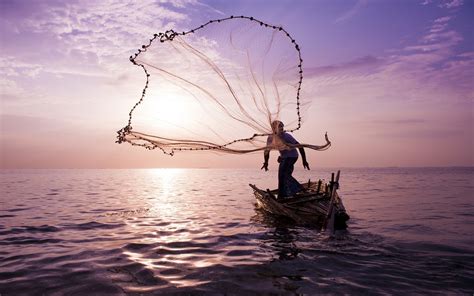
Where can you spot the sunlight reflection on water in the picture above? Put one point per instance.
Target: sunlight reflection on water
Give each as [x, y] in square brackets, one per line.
[169, 230]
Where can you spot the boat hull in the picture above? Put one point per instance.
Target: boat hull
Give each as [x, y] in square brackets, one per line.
[311, 207]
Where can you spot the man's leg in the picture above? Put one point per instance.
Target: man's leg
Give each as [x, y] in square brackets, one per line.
[283, 178]
[292, 184]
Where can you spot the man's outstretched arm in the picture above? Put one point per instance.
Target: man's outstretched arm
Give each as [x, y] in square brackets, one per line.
[303, 158]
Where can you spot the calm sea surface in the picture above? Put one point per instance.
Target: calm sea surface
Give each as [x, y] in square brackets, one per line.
[196, 231]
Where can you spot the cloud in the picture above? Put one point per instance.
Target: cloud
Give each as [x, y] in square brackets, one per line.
[12, 73]
[451, 3]
[12, 67]
[81, 36]
[440, 134]
[10, 90]
[445, 3]
[443, 19]
[49, 47]
[438, 37]
[353, 11]
[419, 96]
[431, 67]
[440, 24]
[409, 121]
[358, 64]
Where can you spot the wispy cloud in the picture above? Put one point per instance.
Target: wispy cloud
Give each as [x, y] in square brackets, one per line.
[451, 3]
[48, 46]
[448, 4]
[81, 36]
[417, 134]
[444, 3]
[351, 12]
[420, 94]
[409, 121]
[357, 65]
[11, 66]
[12, 73]
[10, 90]
[429, 64]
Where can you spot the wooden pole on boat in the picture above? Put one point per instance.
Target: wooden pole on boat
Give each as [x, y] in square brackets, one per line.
[332, 180]
[270, 194]
[319, 186]
[331, 213]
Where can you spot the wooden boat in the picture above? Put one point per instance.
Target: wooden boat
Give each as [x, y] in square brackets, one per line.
[317, 204]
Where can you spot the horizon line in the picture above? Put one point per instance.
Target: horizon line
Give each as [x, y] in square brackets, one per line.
[240, 168]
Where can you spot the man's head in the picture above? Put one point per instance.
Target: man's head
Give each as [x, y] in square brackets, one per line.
[277, 127]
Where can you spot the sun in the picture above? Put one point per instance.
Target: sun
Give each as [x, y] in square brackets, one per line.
[173, 109]
[167, 111]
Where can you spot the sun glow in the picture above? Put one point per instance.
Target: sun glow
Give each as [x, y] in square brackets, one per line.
[170, 109]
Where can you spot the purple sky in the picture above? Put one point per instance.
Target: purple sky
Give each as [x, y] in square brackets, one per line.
[391, 81]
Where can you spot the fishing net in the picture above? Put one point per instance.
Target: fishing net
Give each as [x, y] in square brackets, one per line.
[217, 87]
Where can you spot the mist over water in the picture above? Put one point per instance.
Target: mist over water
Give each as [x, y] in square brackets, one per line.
[197, 230]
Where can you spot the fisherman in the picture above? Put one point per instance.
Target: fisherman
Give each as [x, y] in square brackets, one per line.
[285, 143]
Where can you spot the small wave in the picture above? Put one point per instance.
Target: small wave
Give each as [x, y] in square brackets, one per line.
[139, 275]
[17, 258]
[138, 246]
[27, 240]
[190, 250]
[18, 209]
[436, 248]
[236, 253]
[228, 225]
[411, 227]
[30, 229]
[92, 225]
[171, 271]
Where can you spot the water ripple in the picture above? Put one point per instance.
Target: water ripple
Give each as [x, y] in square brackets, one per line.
[175, 232]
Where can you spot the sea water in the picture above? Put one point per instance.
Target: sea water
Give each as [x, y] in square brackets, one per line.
[197, 231]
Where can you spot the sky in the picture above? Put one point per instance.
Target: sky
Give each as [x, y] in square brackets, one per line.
[390, 81]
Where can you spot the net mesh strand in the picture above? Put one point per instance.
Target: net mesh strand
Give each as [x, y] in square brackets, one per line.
[217, 87]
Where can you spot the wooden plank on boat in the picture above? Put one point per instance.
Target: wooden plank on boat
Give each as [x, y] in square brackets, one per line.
[256, 188]
[312, 197]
